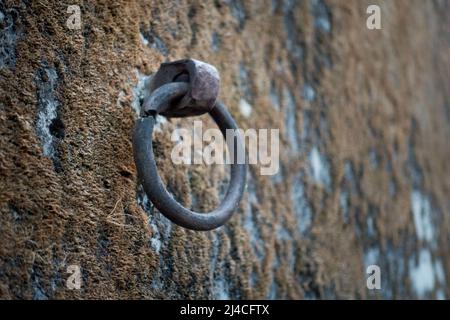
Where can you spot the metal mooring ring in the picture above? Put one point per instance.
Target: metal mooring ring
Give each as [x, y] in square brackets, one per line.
[160, 101]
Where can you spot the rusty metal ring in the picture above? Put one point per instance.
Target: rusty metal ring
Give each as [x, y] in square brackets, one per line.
[148, 172]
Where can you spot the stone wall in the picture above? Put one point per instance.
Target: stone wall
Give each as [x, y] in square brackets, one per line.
[364, 126]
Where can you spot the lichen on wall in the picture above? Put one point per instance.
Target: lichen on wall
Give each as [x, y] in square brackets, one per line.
[363, 118]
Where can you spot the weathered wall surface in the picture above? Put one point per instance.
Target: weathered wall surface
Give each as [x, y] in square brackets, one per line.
[364, 121]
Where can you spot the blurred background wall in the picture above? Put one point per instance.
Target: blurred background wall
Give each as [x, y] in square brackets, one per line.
[364, 128]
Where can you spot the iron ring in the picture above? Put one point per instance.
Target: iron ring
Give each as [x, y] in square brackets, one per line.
[148, 172]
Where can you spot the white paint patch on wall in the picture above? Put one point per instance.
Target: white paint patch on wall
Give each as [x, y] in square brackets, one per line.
[48, 111]
[373, 159]
[274, 99]
[422, 275]
[440, 273]
[161, 226]
[140, 91]
[372, 257]
[290, 120]
[301, 206]
[320, 168]
[160, 121]
[221, 290]
[308, 93]
[422, 213]
[8, 38]
[162, 230]
[144, 40]
[156, 244]
[370, 223]
[245, 108]
[321, 16]
[440, 277]
[282, 233]
[151, 40]
[344, 199]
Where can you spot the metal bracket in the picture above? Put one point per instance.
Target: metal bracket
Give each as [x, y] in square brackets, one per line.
[201, 97]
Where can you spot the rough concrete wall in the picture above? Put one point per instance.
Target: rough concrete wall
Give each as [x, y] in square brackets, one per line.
[364, 120]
